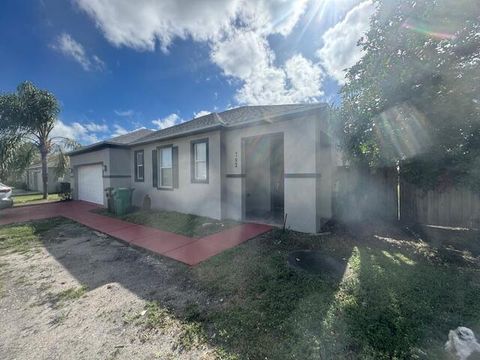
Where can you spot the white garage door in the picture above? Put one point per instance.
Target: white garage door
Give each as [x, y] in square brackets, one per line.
[90, 183]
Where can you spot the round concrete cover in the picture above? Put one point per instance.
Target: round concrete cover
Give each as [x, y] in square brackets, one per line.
[315, 262]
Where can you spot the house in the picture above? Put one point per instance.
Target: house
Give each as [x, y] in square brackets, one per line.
[252, 163]
[33, 177]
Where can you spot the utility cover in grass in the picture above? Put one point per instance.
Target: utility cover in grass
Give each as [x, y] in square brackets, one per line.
[315, 262]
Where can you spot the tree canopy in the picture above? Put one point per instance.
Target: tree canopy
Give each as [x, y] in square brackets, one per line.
[11, 134]
[415, 95]
[38, 113]
[27, 118]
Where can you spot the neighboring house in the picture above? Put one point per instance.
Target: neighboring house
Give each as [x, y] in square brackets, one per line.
[34, 177]
[253, 163]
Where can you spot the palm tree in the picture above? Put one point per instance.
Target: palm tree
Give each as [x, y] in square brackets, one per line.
[38, 113]
[31, 113]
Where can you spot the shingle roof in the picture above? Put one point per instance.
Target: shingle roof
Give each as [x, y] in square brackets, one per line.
[204, 122]
[246, 114]
[122, 140]
[229, 118]
[129, 137]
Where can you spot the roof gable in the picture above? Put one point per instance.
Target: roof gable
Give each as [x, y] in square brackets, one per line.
[117, 141]
[130, 137]
[229, 118]
[201, 123]
[239, 116]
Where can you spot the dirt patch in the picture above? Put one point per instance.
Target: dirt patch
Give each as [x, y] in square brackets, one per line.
[317, 263]
[69, 292]
[84, 296]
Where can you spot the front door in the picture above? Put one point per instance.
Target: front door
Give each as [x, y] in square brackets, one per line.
[264, 178]
[277, 178]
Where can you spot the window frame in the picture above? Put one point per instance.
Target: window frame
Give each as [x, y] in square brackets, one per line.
[137, 165]
[160, 167]
[193, 161]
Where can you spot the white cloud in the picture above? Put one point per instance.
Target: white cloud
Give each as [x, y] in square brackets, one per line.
[68, 46]
[236, 30]
[167, 121]
[93, 127]
[273, 16]
[298, 80]
[340, 50]
[201, 113]
[75, 131]
[140, 24]
[119, 130]
[305, 78]
[241, 53]
[246, 55]
[124, 112]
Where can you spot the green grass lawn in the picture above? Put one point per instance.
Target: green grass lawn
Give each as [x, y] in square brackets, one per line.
[396, 300]
[179, 223]
[32, 198]
[24, 237]
[397, 297]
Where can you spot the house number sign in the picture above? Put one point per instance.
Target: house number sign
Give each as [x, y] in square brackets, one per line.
[235, 160]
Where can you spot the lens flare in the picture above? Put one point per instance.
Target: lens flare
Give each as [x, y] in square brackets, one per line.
[429, 30]
[404, 130]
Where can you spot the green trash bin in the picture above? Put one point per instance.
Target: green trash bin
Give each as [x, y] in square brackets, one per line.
[122, 200]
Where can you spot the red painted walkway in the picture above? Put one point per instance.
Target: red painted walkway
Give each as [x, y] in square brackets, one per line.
[188, 250]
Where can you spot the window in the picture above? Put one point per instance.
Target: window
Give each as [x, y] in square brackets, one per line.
[200, 161]
[166, 167]
[139, 166]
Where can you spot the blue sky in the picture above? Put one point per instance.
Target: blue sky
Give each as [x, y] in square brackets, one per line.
[116, 66]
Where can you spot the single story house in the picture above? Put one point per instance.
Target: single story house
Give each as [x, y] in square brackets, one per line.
[253, 163]
[34, 181]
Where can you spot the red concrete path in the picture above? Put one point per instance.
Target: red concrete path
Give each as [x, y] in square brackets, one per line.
[188, 250]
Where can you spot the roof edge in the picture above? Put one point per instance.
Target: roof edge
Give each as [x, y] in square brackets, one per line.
[174, 136]
[96, 147]
[218, 116]
[286, 116]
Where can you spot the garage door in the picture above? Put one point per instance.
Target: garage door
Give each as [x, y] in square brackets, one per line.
[90, 183]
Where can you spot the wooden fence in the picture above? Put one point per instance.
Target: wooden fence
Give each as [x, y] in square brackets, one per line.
[452, 207]
[362, 196]
[366, 196]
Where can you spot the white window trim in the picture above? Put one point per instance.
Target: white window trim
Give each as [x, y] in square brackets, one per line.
[196, 161]
[194, 178]
[160, 167]
[142, 165]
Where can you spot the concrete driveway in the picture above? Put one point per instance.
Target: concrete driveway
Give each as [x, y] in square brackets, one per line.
[182, 248]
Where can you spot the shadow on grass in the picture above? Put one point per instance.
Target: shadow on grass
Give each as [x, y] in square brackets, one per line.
[394, 300]
[246, 301]
[271, 310]
[458, 244]
[172, 221]
[403, 307]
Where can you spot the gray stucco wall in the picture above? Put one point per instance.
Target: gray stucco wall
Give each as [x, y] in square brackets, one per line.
[94, 157]
[52, 180]
[326, 166]
[119, 163]
[309, 165]
[301, 170]
[190, 198]
[118, 168]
